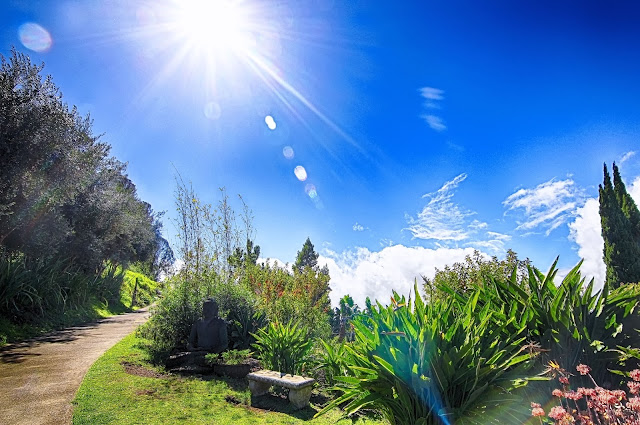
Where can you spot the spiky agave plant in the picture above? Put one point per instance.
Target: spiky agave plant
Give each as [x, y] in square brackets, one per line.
[427, 364]
[570, 322]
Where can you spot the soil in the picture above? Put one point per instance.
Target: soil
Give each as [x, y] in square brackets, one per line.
[138, 370]
[39, 377]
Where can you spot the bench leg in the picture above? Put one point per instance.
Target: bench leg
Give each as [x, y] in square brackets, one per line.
[300, 398]
[258, 388]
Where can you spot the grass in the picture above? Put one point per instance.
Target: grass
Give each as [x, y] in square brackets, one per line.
[110, 395]
[94, 309]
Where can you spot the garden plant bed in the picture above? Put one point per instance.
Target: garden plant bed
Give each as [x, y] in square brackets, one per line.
[110, 395]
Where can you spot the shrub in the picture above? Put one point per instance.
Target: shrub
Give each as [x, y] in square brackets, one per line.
[299, 296]
[34, 289]
[174, 314]
[429, 364]
[239, 305]
[230, 357]
[283, 347]
[591, 405]
[569, 322]
[332, 360]
[145, 289]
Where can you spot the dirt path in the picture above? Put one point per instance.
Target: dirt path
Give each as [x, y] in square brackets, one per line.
[39, 378]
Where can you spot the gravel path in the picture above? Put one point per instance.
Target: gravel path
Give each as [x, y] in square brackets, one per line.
[39, 378]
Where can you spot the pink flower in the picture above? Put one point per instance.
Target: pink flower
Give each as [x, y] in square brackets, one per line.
[537, 411]
[557, 393]
[583, 369]
[634, 387]
[635, 374]
[634, 404]
[564, 380]
[557, 413]
[619, 394]
[573, 395]
[590, 392]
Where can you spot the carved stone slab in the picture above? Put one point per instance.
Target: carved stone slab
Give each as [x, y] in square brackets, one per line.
[282, 379]
[299, 386]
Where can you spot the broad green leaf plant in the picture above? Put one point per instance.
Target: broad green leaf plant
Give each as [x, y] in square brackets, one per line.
[283, 347]
[427, 364]
[569, 323]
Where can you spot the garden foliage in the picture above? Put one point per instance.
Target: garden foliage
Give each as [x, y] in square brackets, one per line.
[31, 290]
[69, 215]
[434, 363]
[286, 296]
[283, 347]
[568, 323]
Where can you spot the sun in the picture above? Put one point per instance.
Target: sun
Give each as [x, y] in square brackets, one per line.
[220, 26]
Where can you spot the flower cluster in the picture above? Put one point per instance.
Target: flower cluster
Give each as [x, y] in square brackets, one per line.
[598, 405]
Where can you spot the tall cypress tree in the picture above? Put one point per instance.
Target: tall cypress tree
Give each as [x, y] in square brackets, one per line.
[626, 202]
[620, 220]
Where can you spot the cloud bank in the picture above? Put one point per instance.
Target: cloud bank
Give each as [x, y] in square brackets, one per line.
[362, 273]
[586, 232]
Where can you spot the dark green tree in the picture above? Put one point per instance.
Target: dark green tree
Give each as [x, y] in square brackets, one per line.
[620, 221]
[626, 202]
[307, 257]
[62, 197]
[242, 258]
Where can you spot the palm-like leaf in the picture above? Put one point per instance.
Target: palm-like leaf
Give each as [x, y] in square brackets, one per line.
[420, 363]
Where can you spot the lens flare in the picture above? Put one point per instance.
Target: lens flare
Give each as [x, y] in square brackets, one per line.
[310, 189]
[212, 110]
[35, 37]
[271, 123]
[300, 173]
[287, 151]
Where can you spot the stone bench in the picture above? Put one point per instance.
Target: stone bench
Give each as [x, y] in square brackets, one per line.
[299, 386]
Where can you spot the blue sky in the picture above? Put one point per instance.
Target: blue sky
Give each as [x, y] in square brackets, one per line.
[426, 129]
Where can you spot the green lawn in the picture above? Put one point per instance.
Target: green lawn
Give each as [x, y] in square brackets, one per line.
[109, 395]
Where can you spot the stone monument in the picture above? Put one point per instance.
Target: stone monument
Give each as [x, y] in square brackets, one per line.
[209, 333]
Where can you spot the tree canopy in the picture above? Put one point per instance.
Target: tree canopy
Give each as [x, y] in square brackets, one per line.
[61, 194]
[475, 270]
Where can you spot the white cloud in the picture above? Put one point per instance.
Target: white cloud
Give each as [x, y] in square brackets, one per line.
[441, 219]
[435, 122]
[274, 262]
[548, 205]
[586, 232]
[361, 273]
[358, 227]
[494, 243]
[477, 224]
[443, 222]
[432, 93]
[432, 96]
[627, 156]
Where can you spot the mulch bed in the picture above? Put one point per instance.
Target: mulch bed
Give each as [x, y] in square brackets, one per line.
[137, 370]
